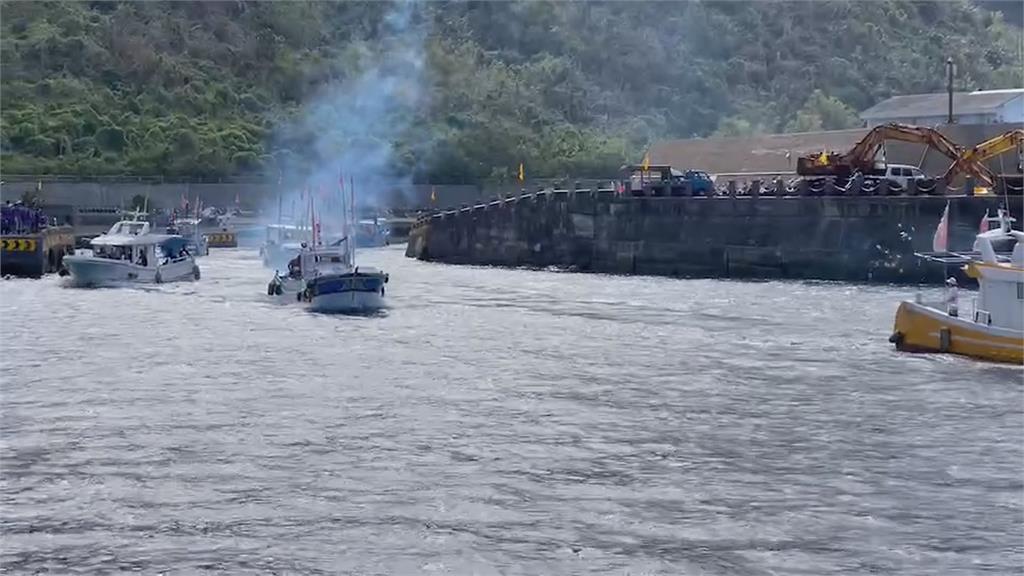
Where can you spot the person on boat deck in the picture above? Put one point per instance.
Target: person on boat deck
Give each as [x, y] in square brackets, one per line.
[952, 295]
[295, 267]
[142, 261]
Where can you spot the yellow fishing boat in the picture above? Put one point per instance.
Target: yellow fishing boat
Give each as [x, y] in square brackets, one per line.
[994, 329]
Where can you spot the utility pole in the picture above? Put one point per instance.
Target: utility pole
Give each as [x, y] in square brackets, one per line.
[949, 87]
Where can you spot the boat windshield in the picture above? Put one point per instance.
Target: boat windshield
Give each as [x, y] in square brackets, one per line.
[112, 252]
[129, 228]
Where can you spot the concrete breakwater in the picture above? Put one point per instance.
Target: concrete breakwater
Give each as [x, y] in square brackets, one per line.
[830, 238]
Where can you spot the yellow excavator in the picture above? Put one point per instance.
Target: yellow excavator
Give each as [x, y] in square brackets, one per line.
[861, 158]
[971, 161]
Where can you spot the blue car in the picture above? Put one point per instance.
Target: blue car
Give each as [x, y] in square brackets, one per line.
[695, 182]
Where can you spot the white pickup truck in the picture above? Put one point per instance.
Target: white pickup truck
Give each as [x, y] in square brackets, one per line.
[903, 174]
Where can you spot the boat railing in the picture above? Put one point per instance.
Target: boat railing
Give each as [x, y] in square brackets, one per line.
[959, 258]
[936, 303]
[176, 259]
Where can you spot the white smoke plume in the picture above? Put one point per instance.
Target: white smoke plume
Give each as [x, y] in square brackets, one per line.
[355, 123]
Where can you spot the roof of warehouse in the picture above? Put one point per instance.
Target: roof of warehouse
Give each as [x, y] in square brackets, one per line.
[925, 105]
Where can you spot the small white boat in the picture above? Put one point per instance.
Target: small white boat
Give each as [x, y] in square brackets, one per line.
[324, 279]
[130, 253]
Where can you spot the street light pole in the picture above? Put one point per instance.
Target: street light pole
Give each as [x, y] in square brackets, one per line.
[949, 88]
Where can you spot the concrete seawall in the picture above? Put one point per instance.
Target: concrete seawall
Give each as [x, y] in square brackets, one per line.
[252, 195]
[830, 238]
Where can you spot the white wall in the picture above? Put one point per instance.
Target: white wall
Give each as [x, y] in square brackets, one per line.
[1012, 111]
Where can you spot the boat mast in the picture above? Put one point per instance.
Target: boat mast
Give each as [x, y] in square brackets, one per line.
[352, 211]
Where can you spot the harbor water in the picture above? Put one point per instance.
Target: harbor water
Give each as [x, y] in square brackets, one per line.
[497, 421]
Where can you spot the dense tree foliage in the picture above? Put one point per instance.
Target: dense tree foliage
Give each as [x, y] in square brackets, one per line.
[221, 88]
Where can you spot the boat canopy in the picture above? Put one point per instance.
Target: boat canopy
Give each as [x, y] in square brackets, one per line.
[131, 240]
[173, 244]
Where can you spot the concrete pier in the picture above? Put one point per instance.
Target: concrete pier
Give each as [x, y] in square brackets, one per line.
[829, 238]
[35, 254]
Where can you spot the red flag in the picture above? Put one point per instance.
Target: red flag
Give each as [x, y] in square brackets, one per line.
[940, 241]
[983, 227]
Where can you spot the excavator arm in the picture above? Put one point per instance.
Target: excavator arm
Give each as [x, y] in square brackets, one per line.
[862, 155]
[972, 161]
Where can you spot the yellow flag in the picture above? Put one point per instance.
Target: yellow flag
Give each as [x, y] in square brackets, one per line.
[522, 173]
[433, 195]
[647, 162]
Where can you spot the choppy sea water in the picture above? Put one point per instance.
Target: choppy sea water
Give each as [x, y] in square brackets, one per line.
[497, 422]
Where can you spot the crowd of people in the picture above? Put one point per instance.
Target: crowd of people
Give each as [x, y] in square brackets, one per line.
[17, 218]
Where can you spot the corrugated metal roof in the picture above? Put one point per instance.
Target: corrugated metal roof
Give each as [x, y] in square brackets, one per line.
[927, 105]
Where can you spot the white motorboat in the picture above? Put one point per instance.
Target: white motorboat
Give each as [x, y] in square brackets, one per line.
[130, 253]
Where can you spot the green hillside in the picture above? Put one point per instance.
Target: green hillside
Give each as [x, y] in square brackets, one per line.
[455, 92]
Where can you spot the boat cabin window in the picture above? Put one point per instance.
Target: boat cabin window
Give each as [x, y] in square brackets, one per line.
[113, 252]
[129, 228]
